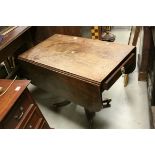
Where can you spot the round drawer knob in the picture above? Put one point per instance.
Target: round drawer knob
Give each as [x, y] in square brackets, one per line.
[30, 126]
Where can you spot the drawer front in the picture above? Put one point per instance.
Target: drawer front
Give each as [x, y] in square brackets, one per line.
[44, 125]
[128, 65]
[18, 112]
[34, 120]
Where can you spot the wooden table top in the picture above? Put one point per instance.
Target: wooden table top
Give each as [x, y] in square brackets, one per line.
[91, 60]
[10, 97]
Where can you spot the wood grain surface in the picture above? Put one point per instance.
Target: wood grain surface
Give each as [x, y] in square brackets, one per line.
[9, 98]
[78, 69]
[87, 59]
[79, 92]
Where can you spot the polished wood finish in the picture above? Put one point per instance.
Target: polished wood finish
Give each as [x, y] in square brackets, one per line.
[6, 29]
[72, 89]
[8, 100]
[77, 68]
[77, 56]
[13, 41]
[17, 107]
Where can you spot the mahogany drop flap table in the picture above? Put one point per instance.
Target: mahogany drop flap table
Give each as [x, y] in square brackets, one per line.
[78, 69]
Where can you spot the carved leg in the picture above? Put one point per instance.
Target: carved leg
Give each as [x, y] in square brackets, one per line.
[90, 116]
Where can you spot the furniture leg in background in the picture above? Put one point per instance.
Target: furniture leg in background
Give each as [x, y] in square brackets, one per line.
[90, 116]
[143, 56]
[14, 38]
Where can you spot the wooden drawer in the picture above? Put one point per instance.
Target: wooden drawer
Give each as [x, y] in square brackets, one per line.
[18, 109]
[128, 64]
[18, 112]
[33, 120]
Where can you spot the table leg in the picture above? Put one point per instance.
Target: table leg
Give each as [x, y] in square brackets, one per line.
[90, 116]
